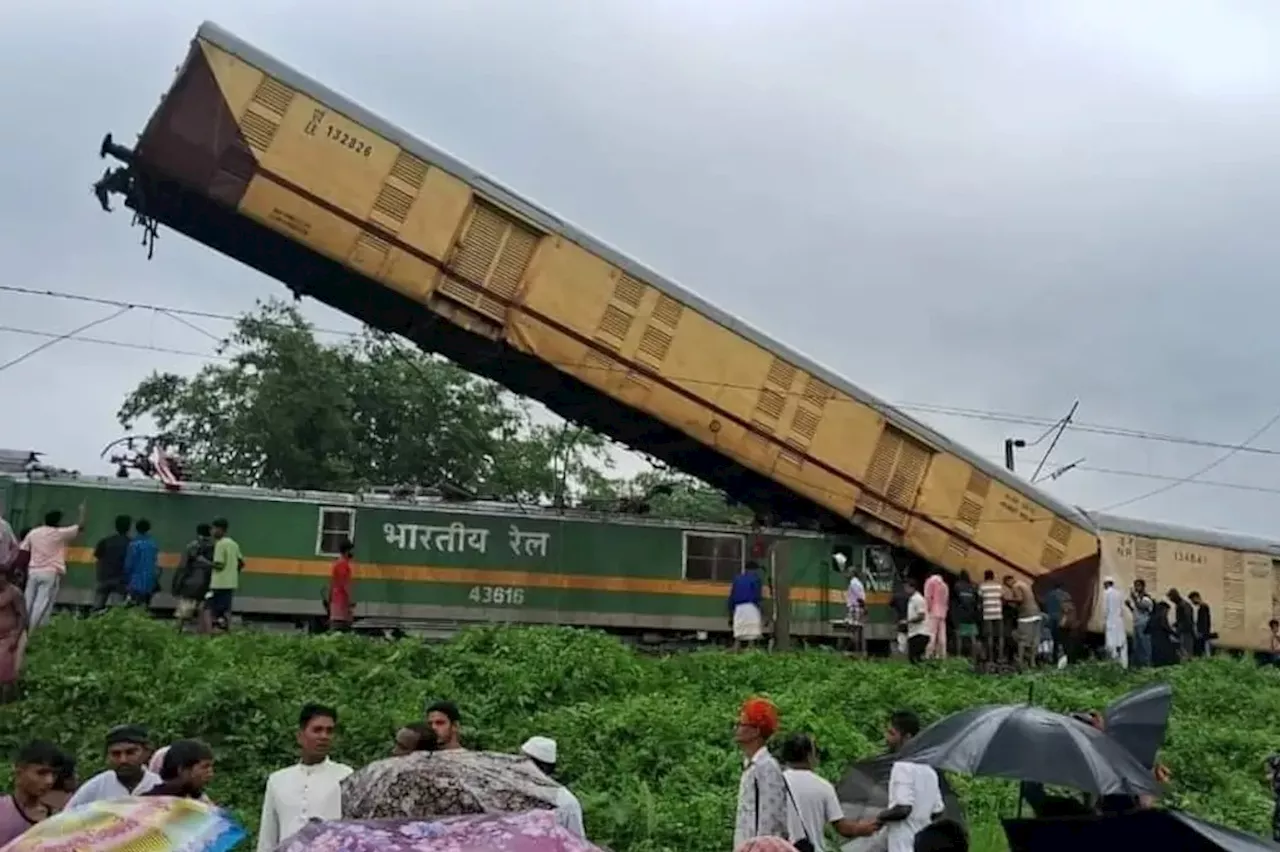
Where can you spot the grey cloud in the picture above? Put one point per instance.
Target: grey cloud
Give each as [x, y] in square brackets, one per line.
[1001, 206]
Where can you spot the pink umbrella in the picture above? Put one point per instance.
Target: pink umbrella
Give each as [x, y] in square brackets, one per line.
[534, 831]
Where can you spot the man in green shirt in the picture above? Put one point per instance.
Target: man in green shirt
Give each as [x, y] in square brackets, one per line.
[227, 562]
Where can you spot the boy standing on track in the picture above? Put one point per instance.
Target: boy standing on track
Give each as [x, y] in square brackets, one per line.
[192, 579]
[227, 563]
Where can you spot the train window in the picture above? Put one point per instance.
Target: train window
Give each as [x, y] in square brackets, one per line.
[334, 526]
[716, 558]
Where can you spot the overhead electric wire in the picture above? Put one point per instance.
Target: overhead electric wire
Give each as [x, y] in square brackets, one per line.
[146, 347]
[1258, 433]
[58, 338]
[179, 314]
[979, 414]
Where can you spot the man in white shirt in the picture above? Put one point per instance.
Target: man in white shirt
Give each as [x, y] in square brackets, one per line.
[917, 626]
[915, 798]
[308, 790]
[812, 802]
[128, 748]
[542, 751]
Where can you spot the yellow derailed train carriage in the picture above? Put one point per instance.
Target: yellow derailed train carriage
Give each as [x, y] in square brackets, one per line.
[256, 160]
[261, 163]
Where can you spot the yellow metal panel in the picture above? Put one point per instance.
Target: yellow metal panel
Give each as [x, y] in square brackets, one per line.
[237, 79]
[433, 222]
[410, 275]
[717, 365]
[847, 435]
[300, 219]
[330, 156]
[569, 284]
[1260, 575]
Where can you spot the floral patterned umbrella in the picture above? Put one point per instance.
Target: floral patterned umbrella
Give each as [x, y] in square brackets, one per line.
[425, 785]
[142, 824]
[534, 831]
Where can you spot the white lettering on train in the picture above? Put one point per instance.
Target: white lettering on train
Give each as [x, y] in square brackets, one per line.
[497, 595]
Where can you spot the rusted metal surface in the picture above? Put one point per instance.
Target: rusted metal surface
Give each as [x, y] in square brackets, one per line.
[194, 138]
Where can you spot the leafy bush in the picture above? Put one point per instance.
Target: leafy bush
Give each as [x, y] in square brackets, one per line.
[645, 742]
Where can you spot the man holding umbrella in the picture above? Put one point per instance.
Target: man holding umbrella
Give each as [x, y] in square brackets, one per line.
[914, 795]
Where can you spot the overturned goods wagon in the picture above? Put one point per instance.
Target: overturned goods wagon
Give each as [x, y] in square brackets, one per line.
[254, 159]
[429, 565]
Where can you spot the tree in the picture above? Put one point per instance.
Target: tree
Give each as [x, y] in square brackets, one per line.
[289, 411]
[663, 494]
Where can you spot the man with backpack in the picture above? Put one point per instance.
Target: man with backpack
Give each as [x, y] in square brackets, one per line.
[191, 580]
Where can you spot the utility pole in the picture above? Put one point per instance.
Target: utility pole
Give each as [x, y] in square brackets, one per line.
[1009, 445]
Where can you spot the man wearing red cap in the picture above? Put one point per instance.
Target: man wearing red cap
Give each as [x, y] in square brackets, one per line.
[762, 792]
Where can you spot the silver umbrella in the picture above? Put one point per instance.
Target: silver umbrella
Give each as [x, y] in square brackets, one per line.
[446, 783]
[1027, 743]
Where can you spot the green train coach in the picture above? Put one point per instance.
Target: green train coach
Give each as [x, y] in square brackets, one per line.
[430, 564]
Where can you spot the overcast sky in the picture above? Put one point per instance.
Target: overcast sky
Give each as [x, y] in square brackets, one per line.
[996, 206]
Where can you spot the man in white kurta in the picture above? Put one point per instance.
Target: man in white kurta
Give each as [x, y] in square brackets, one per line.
[1113, 621]
[542, 751]
[308, 790]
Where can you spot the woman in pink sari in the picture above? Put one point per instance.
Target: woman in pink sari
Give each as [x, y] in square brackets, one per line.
[13, 636]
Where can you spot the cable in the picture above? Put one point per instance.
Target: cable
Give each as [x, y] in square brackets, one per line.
[175, 314]
[143, 347]
[1202, 483]
[58, 338]
[944, 410]
[1210, 466]
[189, 324]
[119, 344]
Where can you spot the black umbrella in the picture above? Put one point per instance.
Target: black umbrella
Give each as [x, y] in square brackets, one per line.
[1147, 829]
[866, 784]
[1140, 719]
[1029, 743]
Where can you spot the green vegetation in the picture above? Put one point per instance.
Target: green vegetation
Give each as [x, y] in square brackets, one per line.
[645, 742]
[286, 409]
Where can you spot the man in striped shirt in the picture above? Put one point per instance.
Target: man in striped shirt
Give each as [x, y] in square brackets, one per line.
[992, 615]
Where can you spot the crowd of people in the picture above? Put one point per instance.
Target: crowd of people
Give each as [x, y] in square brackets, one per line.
[33, 564]
[45, 780]
[785, 800]
[1007, 621]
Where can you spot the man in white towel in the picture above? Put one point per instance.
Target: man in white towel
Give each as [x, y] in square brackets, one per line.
[746, 596]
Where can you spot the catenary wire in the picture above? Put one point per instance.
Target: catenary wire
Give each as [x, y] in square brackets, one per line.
[58, 338]
[961, 412]
[144, 347]
[1258, 433]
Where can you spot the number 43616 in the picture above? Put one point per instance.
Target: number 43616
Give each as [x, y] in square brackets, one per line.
[496, 595]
